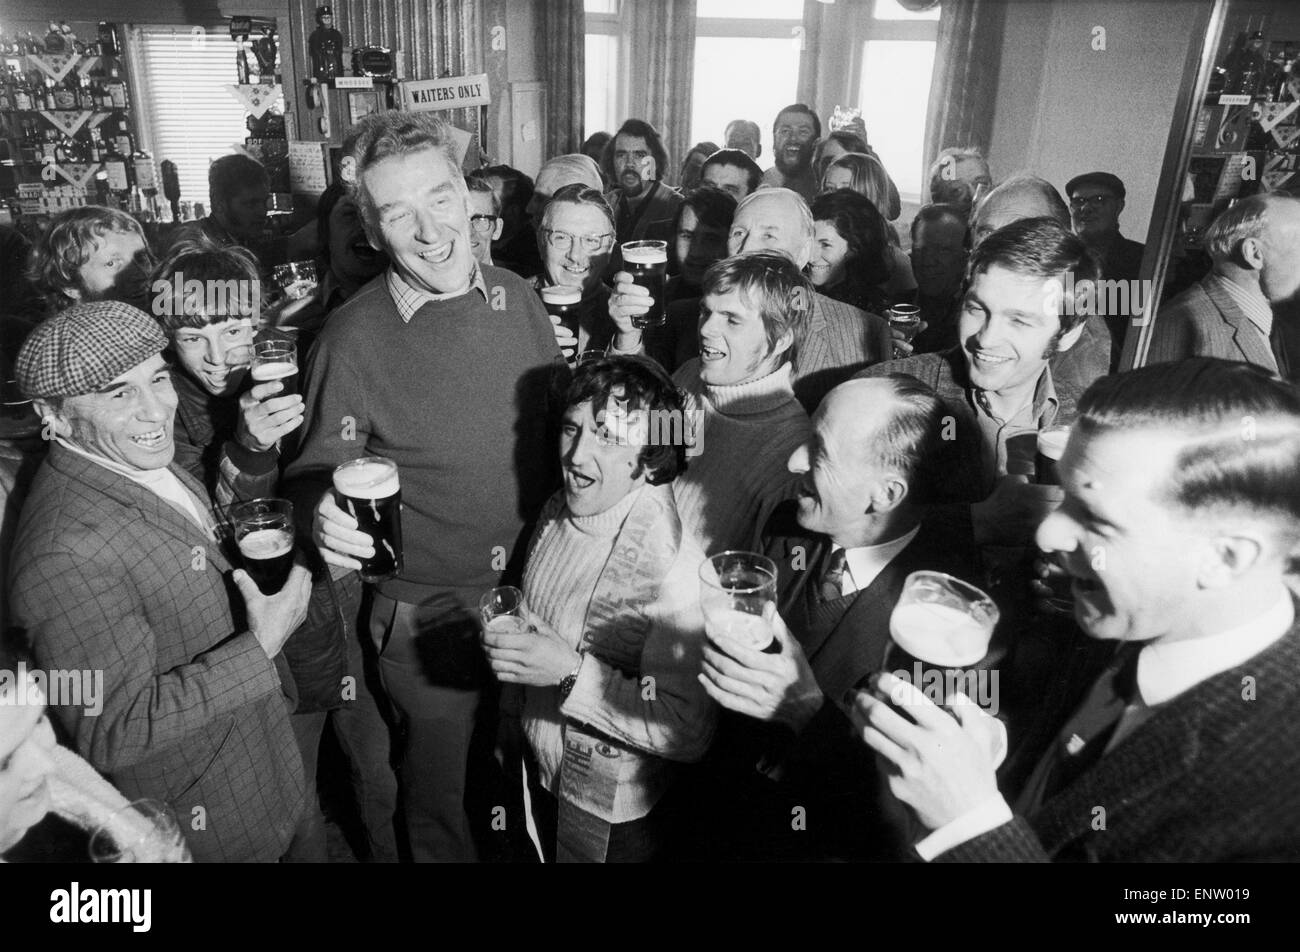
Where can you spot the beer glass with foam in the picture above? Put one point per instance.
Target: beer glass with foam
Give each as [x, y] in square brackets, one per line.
[941, 625]
[264, 536]
[735, 590]
[369, 490]
[647, 262]
[276, 360]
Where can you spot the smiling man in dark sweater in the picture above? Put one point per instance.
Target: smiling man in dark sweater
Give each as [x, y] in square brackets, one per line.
[445, 368]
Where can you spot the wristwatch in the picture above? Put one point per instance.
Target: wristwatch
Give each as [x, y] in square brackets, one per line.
[568, 681]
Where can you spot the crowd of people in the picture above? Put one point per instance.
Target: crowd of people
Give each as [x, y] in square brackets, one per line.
[1146, 657]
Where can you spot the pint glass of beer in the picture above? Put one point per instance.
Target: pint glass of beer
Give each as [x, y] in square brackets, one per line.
[562, 301]
[735, 589]
[276, 360]
[1051, 445]
[264, 535]
[647, 262]
[368, 489]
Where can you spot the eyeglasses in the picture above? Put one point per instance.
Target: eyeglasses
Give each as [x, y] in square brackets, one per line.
[483, 224]
[563, 241]
[1081, 202]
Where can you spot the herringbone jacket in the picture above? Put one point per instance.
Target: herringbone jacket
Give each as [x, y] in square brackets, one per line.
[108, 577]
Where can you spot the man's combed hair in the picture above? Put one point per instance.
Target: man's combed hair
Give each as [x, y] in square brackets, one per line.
[1248, 218]
[1242, 426]
[645, 386]
[770, 283]
[575, 194]
[911, 443]
[476, 183]
[737, 159]
[387, 135]
[1042, 248]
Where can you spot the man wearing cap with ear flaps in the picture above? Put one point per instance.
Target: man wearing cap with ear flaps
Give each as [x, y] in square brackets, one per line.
[117, 570]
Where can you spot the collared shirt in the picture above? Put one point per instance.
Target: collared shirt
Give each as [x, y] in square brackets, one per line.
[1040, 411]
[1251, 301]
[865, 562]
[409, 299]
[1165, 670]
[162, 482]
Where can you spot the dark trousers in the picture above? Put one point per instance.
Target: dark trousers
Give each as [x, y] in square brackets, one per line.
[308, 844]
[432, 668]
[366, 742]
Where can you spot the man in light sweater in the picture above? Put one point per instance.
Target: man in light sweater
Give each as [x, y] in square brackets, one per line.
[612, 590]
[741, 412]
[445, 367]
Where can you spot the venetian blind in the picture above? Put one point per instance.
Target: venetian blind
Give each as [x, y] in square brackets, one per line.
[187, 114]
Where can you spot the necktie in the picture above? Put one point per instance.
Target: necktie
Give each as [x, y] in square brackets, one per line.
[830, 584]
[1278, 345]
[1083, 739]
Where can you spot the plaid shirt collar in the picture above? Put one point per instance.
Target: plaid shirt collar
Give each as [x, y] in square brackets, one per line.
[409, 299]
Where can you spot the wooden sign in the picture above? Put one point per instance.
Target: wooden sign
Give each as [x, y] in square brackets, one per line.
[452, 92]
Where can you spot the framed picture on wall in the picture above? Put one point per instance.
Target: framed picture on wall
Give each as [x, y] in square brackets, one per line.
[362, 103]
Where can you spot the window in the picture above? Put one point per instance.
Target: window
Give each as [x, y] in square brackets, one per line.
[746, 66]
[602, 81]
[186, 113]
[894, 73]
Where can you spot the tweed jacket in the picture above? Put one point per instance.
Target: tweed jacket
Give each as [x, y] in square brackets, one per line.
[1204, 321]
[838, 341]
[109, 577]
[1211, 776]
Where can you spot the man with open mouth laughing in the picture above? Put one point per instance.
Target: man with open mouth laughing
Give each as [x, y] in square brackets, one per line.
[1179, 520]
[117, 569]
[742, 418]
[997, 383]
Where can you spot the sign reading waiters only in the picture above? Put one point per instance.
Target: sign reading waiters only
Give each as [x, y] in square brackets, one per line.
[451, 92]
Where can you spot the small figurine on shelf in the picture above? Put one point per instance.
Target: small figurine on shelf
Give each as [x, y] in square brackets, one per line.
[54, 40]
[266, 52]
[326, 47]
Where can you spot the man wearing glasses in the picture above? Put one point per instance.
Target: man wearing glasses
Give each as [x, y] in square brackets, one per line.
[1096, 200]
[485, 220]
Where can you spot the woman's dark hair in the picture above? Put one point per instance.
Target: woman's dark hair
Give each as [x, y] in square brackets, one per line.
[862, 226]
[643, 385]
[848, 141]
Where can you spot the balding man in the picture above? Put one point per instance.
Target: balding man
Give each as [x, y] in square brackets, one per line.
[117, 570]
[1172, 745]
[843, 550]
[558, 172]
[1255, 246]
[838, 339]
[744, 134]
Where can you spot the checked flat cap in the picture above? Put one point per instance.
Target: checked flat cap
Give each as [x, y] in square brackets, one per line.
[81, 349]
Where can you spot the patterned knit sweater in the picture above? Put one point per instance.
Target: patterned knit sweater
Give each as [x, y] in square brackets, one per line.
[736, 473]
[675, 721]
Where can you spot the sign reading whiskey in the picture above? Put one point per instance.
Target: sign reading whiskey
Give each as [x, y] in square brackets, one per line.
[450, 92]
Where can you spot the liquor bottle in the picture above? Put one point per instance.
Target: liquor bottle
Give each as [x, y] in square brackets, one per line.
[241, 64]
[6, 94]
[1244, 64]
[23, 99]
[116, 87]
[85, 99]
[142, 166]
[107, 39]
[65, 94]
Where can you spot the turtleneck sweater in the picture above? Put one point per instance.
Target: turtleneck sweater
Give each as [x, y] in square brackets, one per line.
[736, 472]
[674, 722]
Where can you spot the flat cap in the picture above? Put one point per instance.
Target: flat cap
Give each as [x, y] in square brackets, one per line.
[83, 348]
[1104, 179]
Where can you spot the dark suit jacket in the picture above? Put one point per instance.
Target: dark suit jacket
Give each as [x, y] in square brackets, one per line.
[825, 770]
[1211, 776]
[108, 577]
[1204, 321]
